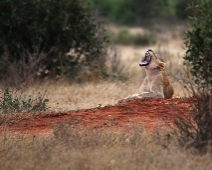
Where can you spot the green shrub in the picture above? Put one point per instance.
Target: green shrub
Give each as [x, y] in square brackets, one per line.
[144, 39]
[36, 35]
[195, 132]
[136, 11]
[198, 41]
[10, 103]
[181, 9]
[124, 37]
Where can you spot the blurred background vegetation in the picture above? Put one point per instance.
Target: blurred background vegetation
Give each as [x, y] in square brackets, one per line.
[139, 11]
[54, 39]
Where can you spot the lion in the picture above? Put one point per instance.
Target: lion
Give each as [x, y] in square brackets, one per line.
[156, 83]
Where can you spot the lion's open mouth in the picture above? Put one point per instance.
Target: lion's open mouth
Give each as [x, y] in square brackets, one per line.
[146, 60]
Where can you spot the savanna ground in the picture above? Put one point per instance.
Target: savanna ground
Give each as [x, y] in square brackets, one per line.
[85, 128]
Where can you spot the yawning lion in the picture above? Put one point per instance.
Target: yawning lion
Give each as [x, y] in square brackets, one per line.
[156, 83]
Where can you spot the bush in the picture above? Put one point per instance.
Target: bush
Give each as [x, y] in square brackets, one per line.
[198, 41]
[181, 9]
[196, 132]
[124, 37]
[10, 103]
[36, 35]
[134, 12]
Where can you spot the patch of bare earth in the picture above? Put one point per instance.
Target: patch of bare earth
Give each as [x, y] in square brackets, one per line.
[152, 113]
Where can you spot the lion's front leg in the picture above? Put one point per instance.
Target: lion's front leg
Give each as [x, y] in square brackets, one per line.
[146, 95]
[142, 95]
[132, 97]
[155, 92]
[139, 95]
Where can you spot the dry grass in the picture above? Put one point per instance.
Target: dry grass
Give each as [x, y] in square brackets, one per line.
[66, 96]
[71, 149]
[97, 149]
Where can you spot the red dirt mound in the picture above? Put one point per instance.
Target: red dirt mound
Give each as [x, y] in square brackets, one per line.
[150, 112]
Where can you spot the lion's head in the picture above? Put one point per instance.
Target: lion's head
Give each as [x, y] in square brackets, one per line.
[151, 61]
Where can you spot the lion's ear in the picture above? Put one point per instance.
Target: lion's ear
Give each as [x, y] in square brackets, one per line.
[161, 65]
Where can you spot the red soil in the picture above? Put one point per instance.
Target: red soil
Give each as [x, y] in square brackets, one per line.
[151, 113]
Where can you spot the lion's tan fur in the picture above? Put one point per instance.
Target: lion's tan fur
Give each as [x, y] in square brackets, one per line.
[156, 83]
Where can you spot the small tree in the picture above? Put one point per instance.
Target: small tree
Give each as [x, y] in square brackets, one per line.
[195, 131]
[38, 34]
[199, 44]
